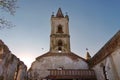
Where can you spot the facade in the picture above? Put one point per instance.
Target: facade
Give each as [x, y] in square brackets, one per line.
[60, 63]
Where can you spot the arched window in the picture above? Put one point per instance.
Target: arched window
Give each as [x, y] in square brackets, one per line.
[59, 29]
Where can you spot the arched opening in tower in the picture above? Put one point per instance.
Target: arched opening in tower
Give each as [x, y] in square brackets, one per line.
[60, 30]
[60, 44]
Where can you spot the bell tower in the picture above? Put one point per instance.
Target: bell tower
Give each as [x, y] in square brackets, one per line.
[59, 38]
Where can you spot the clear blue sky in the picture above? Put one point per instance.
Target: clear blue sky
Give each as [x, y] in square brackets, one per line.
[92, 23]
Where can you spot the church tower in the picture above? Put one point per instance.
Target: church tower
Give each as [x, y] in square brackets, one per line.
[59, 38]
[59, 63]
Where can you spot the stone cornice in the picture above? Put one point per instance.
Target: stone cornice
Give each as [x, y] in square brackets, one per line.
[59, 35]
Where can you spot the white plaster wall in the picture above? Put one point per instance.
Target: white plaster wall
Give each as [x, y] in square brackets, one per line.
[99, 71]
[109, 68]
[54, 62]
[116, 59]
[112, 67]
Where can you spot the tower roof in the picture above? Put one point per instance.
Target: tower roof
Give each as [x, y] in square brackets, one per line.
[59, 13]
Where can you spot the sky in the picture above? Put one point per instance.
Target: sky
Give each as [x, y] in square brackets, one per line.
[91, 24]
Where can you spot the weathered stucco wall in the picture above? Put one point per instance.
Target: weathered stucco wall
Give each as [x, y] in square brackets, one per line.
[41, 66]
[112, 67]
[116, 60]
[11, 68]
